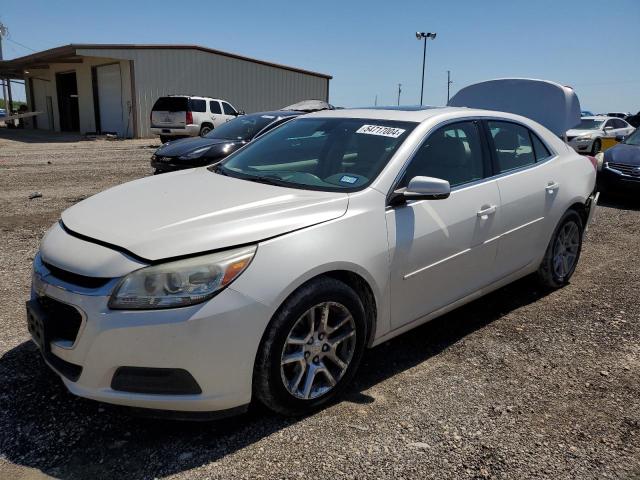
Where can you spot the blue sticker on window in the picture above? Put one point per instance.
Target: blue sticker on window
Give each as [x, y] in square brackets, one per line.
[348, 179]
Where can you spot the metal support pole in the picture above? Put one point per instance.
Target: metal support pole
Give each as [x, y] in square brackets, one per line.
[399, 92]
[9, 96]
[449, 82]
[424, 61]
[4, 82]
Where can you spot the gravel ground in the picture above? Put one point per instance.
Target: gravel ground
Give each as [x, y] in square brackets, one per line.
[520, 384]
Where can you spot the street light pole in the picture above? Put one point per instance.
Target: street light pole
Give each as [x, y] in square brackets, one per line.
[399, 92]
[425, 36]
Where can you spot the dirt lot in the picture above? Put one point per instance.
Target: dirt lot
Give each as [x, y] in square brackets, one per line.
[521, 384]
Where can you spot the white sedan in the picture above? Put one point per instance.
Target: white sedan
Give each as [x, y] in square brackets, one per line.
[587, 136]
[266, 277]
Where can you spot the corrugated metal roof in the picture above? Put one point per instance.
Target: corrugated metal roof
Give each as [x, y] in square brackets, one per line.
[69, 52]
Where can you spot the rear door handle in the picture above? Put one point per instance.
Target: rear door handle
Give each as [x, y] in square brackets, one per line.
[552, 187]
[485, 212]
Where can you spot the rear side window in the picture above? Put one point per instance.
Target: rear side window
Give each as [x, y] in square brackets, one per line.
[452, 153]
[198, 105]
[214, 107]
[228, 109]
[620, 124]
[539, 148]
[512, 145]
[171, 104]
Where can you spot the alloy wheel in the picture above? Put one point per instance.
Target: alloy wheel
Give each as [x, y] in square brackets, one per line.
[318, 350]
[565, 250]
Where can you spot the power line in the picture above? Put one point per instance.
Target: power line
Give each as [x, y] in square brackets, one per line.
[20, 44]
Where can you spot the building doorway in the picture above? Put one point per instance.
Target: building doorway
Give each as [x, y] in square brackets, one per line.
[67, 89]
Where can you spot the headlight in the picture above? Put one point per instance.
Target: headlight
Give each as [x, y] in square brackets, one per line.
[599, 160]
[180, 283]
[195, 154]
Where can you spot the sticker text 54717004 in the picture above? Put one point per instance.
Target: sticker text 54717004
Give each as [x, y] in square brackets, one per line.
[381, 130]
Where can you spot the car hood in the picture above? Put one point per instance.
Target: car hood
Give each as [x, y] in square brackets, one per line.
[623, 153]
[196, 210]
[574, 132]
[186, 145]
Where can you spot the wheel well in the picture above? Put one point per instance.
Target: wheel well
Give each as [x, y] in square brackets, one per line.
[206, 124]
[581, 208]
[364, 291]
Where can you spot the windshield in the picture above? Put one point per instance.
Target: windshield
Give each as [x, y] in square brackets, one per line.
[634, 138]
[320, 153]
[241, 128]
[589, 124]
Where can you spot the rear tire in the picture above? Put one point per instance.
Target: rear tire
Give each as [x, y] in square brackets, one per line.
[562, 255]
[300, 368]
[596, 146]
[206, 128]
[164, 138]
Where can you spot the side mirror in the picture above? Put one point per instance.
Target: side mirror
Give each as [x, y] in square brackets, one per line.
[620, 138]
[422, 188]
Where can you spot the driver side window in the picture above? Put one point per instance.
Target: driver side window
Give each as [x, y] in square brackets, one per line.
[452, 153]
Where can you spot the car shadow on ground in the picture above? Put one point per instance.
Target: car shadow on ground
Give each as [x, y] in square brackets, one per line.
[621, 202]
[46, 428]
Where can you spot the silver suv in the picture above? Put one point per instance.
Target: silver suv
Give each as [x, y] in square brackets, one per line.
[178, 116]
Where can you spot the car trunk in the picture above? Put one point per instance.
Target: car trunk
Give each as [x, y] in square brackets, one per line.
[550, 104]
[170, 112]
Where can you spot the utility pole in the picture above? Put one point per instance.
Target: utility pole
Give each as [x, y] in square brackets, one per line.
[399, 92]
[375, 102]
[449, 82]
[5, 82]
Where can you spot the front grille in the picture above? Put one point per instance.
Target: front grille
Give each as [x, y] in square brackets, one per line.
[63, 321]
[624, 168]
[76, 279]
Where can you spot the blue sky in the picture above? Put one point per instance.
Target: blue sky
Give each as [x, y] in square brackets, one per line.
[370, 46]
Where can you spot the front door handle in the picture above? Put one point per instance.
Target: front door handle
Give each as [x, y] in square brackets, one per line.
[485, 212]
[552, 187]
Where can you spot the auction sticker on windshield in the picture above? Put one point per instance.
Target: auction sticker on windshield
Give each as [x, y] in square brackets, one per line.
[381, 131]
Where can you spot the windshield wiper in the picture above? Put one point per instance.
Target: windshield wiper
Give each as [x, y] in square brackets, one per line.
[217, 168]
[268, 180]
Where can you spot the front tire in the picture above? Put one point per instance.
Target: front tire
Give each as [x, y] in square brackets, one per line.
[562, 255]
[311, 349]
[596, 146]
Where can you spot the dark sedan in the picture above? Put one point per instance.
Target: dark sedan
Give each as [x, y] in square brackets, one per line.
[621, 167]
[217, 144]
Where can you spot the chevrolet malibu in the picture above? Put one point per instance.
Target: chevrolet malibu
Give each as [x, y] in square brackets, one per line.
[267, 276]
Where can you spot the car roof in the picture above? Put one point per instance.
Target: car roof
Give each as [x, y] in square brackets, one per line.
[596, 117]
[195, 96]
[278, 113]
[406, 114]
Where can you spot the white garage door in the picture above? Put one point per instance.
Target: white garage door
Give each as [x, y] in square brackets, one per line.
[110, 99]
